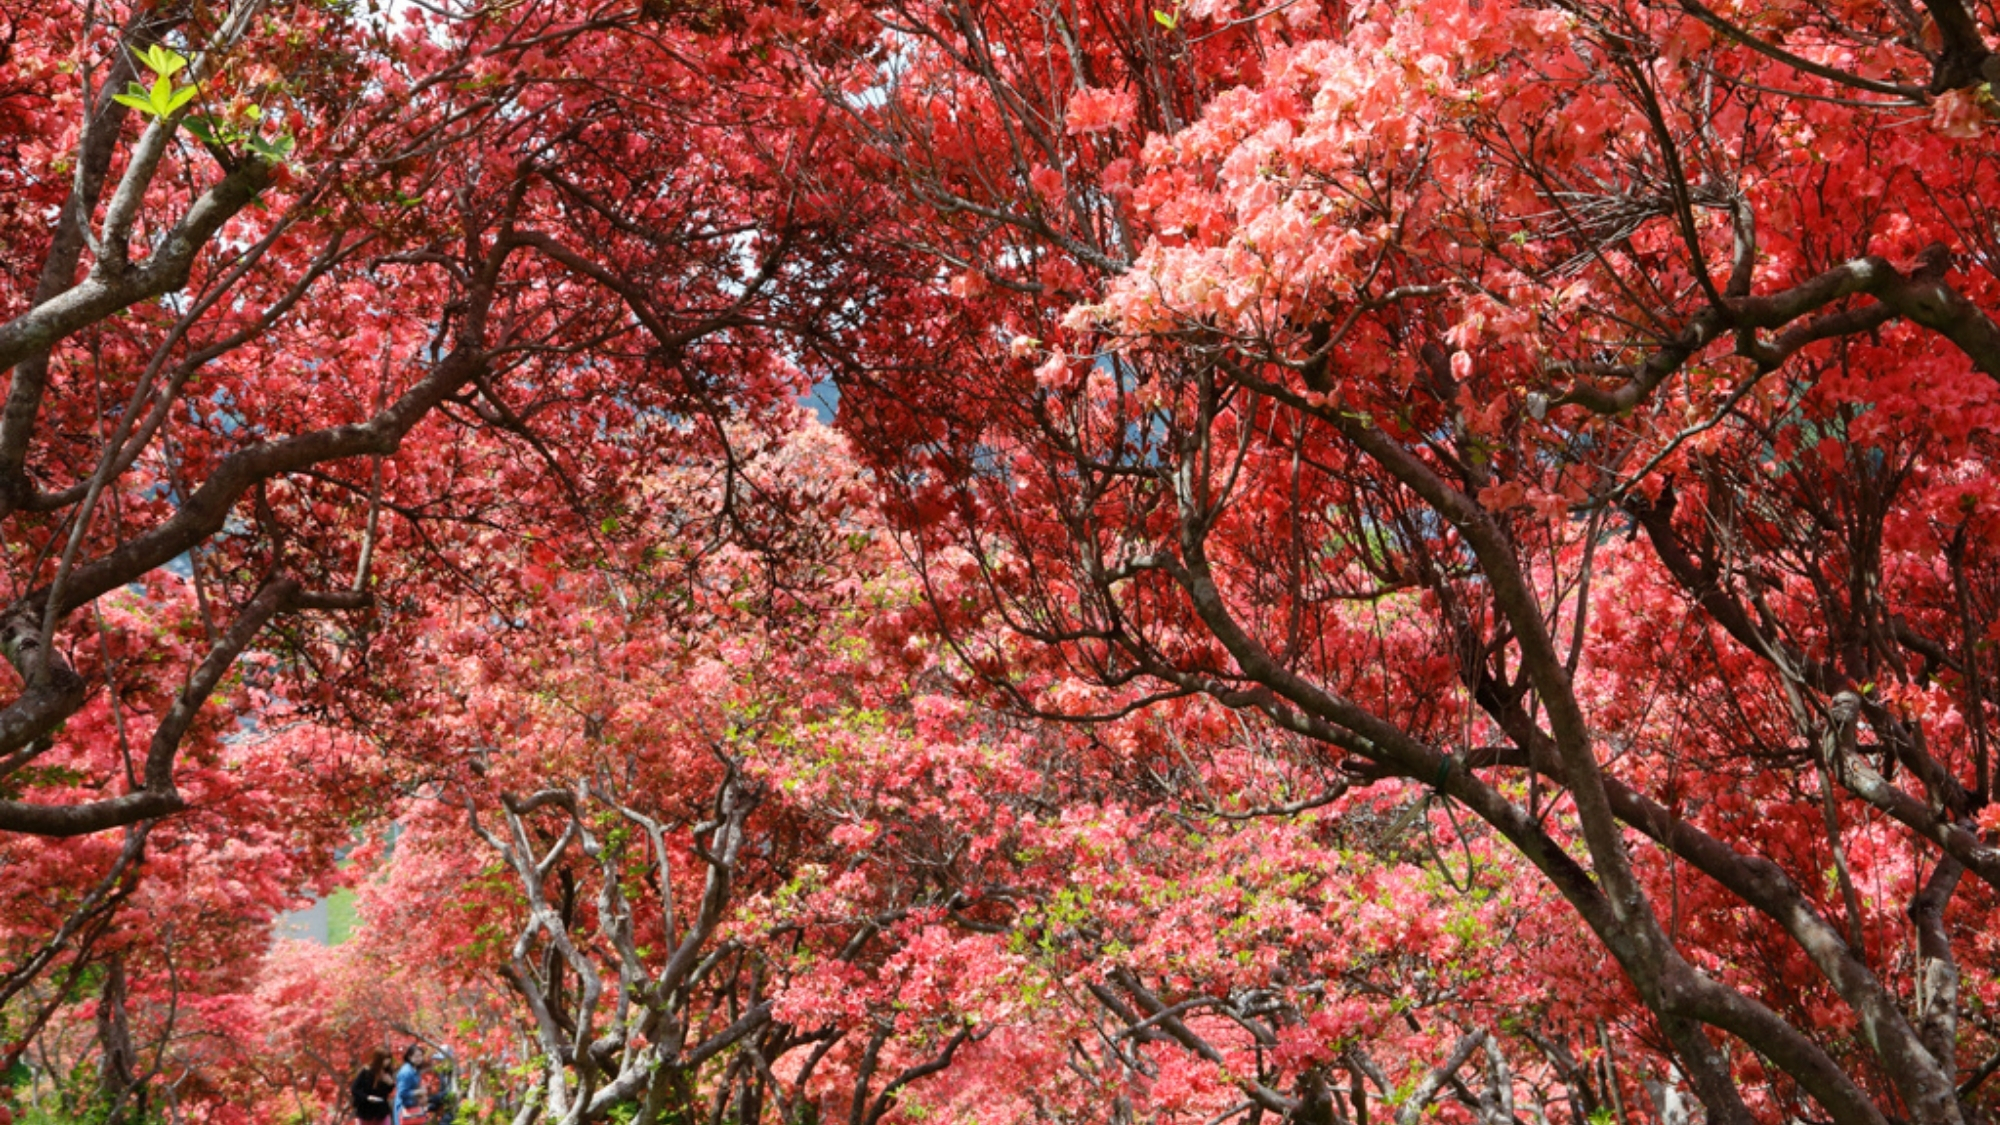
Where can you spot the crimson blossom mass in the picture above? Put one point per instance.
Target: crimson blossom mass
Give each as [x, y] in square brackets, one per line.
[1357, 561]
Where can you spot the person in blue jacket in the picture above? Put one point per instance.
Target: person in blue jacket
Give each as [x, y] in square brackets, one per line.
[410, 1084]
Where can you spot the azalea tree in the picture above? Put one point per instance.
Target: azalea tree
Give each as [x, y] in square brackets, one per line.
[122, 946]
[696, 834]
[616, 835]
[263, 402]
[1577, 412]
[727, 852]
[1556, 433]
[331, 297]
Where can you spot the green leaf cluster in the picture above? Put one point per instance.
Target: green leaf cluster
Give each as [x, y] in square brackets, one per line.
[163, 98]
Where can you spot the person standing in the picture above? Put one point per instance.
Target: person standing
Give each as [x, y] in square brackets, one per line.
[410, 1084]
[371, 1089]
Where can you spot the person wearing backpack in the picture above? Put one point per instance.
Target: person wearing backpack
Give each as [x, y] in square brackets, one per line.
[443, 1101]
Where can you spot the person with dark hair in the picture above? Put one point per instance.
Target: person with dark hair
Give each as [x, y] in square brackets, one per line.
[443, 1102]
[409, 1099]
[371, 1089]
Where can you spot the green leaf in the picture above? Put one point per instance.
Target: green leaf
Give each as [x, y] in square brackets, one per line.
[181, 97]
[139, 103]
[275, 149]
[160, 61]
[1167, 21]
[162, 96]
